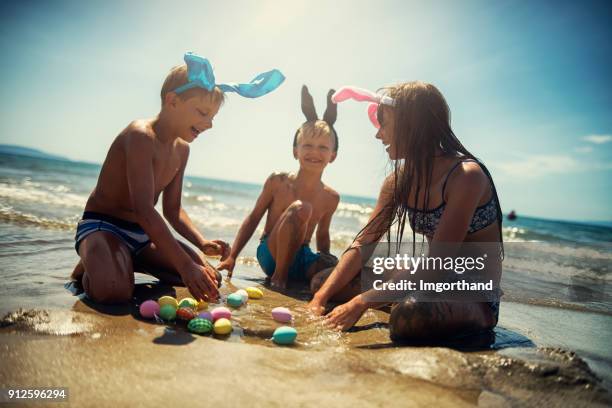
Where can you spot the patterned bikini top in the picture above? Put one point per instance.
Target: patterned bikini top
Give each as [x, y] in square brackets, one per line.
[426, 221]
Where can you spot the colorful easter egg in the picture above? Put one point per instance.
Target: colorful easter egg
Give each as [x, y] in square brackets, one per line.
[202, 304]
[167, 312]
[200, 326]
[206, 315]
[284, 335]
[185, 313]
[282, 314]
[243, 294]
[234, 300]
[221, 313]
[148, 309]
[167, 300]
[254, 293]
[223, 326]
[188, 302]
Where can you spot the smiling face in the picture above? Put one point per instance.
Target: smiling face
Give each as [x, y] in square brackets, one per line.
[386, 132]
[314, 146]
[192, 116]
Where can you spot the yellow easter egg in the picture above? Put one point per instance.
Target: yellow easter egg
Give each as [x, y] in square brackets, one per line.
[223, 326]
[202, 304]
[167, 300]
[254, 293]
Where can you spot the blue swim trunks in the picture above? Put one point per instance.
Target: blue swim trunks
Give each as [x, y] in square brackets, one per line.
[130, 233]
[297, 271]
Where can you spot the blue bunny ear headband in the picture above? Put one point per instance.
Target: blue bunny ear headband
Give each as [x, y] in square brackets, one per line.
[200, 75]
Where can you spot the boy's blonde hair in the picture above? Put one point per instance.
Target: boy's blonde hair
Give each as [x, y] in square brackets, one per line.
[315, 128]
[178, 77]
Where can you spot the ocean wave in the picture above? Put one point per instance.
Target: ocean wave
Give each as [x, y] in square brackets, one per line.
[215, 221]
[41, 194]
[355, 208]
[191, 198]
[359, 212]
[341, 240]
[553, 270]
[8, 214]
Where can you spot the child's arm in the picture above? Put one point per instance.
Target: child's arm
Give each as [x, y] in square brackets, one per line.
[200, 281]
[180, 221]
[323, 241]
[249, 225]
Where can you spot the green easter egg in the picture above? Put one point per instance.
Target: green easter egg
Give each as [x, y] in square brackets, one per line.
[167, 312]
[200, 326]
[284, 335]
[188, 302]
[234, 300]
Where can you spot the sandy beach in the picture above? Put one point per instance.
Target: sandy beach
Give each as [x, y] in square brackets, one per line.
[109, 356]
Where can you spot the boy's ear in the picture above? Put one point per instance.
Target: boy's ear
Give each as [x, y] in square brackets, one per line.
[170, 99]
[295, 153]
[333, 157]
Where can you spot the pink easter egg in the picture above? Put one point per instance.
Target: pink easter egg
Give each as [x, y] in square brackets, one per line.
[282, 314]
[149, 308]
[206, 315]
[221, 313]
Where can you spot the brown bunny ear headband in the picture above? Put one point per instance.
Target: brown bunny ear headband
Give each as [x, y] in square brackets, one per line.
[330, 115]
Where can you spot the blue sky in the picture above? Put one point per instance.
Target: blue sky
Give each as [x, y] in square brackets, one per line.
[528, 84]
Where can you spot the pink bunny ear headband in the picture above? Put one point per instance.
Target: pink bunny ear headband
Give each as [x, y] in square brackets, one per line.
[363, 95]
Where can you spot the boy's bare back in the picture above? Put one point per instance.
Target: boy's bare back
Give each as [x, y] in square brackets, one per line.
[112, 192]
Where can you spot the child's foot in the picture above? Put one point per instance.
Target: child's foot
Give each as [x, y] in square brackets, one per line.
[278, 283]
[278, 280]
[78, 272]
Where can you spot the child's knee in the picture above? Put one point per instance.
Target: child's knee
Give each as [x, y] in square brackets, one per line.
[316, 282]
[301, 210]
[107, 290]
[404, 322]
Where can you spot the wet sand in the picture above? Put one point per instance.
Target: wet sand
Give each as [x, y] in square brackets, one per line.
[111, 357]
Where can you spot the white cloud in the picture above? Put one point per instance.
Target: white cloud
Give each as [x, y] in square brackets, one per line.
[584, 149]
[536, 166]
[598, 139]
[539, 165]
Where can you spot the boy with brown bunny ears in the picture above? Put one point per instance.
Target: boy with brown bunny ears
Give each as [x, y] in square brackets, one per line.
[296, 205]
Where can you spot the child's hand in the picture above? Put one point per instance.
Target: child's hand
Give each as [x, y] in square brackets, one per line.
[228, 264]
[216, 247]
[201, 281]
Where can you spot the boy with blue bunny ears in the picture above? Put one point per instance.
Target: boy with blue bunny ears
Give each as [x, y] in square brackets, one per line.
[120, 228]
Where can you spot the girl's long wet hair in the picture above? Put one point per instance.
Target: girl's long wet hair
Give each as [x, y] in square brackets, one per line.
[422, 124]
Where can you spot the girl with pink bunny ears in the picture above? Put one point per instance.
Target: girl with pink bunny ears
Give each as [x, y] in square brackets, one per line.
[363, 95]
[447, 195]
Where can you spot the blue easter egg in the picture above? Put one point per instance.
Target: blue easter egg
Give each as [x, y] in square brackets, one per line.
[234, 300]
[284, 335]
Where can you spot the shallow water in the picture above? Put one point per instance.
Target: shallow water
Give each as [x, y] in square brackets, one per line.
[559, 286]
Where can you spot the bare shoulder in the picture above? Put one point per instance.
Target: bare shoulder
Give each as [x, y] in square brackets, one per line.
[468, 178]
[470, 173]
[138, 134]
[276, 180]
[182, 148]
[387, 188]
[332, 198]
